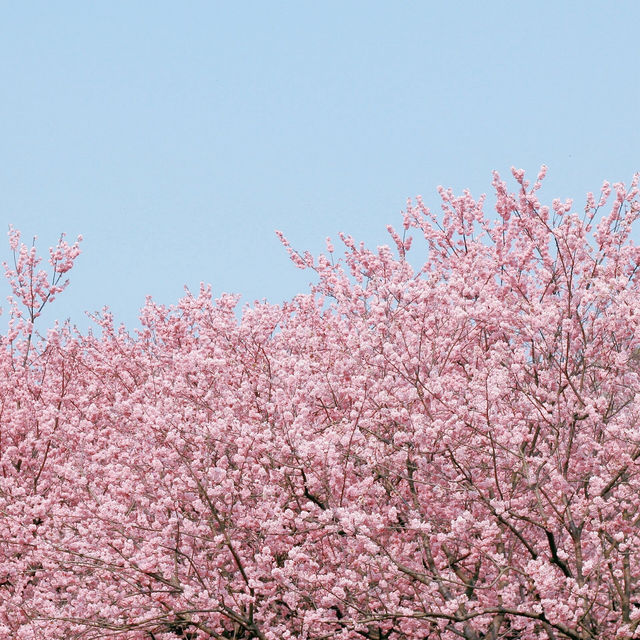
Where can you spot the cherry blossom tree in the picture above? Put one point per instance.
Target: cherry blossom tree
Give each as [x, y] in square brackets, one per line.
[449, 450]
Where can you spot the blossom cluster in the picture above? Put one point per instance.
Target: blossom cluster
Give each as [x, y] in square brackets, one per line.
[405, 452]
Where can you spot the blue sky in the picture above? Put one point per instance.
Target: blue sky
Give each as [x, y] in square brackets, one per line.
[176, 137]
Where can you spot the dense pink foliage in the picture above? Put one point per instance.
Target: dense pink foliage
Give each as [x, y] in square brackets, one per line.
[443, 452]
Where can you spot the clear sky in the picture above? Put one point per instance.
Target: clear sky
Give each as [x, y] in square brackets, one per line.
[177, 136]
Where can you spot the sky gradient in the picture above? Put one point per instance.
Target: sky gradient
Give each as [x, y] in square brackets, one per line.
[177, 137]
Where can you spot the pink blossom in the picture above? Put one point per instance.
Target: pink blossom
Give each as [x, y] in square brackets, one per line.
[442, 451]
